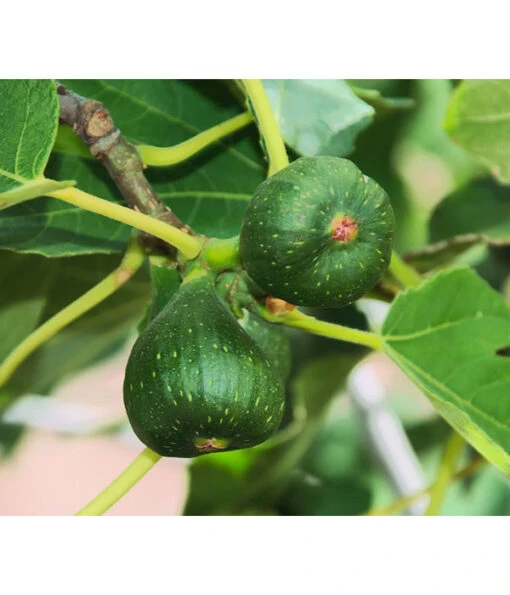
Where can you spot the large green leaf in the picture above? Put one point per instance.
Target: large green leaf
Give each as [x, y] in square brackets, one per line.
[209, 192]
[318, 117]
[54, 228]
[478, 119]
[28, 121]
[447, 336]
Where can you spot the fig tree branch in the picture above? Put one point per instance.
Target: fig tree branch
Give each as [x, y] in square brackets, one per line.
[92, 122]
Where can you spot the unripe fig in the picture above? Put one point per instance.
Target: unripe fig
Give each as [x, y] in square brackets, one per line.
[197, 383]
[318, 233]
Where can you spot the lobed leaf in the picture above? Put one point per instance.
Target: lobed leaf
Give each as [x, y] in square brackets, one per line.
[447, 336]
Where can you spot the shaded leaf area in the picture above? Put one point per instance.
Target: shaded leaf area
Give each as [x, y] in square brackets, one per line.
[475, 216]
[38, 289]
[28, 121]
[22, 305]
[318, 117]
[445, 336]
[495, 269]
[332, 478]
[10, 435]
[209, 192]
[447, 252]
[478, 119]
[482, 207]
[307, 495]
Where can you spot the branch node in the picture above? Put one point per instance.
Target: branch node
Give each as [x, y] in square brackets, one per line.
[92, 122]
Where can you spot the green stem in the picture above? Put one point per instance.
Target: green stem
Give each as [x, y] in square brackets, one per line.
[403, 273]
[453, 450]
[302, 321]
[160, 156]
[188, 245]
[267, 125]
[131, 262]
[222, 254]
[120, 486]
[404, 502]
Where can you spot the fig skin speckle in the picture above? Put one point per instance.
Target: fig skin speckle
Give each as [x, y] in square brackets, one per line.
[318, 233]
[191, 393]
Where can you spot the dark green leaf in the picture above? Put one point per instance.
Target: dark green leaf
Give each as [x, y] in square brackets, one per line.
[446, 336]
[338, 448]
[475, 216]
[22, 300]
[54, 228]
[483, 207]
[307, 495]
[209, 192]
[10, 435]
[38, 289]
